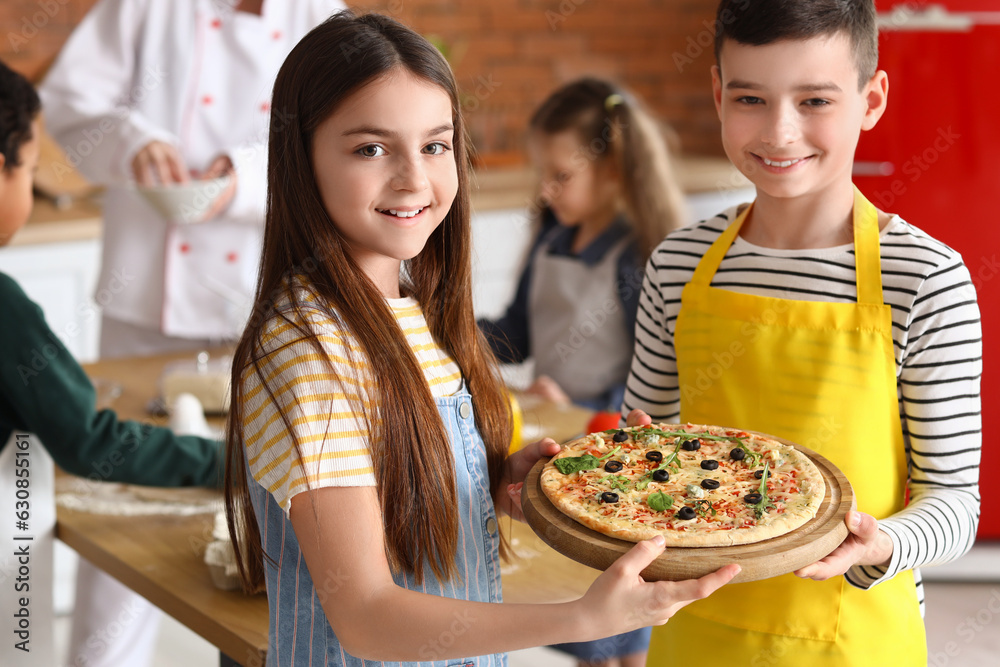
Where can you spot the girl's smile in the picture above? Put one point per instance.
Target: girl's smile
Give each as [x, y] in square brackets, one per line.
[403, 213]
[386, 172]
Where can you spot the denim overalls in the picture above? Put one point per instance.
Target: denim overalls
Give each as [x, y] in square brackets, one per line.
[299, 633]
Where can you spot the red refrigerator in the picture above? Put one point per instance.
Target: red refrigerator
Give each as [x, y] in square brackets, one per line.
[934, 158]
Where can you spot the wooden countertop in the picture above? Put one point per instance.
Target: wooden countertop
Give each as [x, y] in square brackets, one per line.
[77, 216]
[161, 557]
[80, 221]
[494, 189]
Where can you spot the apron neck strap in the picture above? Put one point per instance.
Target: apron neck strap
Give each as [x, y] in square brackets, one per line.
[711, 260]
[866, 251]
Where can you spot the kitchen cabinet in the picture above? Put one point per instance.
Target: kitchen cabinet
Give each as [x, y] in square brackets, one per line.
[60, 277]
[55, 258]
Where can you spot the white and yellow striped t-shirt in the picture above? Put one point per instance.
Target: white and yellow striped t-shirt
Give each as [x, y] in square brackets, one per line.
[333, 440]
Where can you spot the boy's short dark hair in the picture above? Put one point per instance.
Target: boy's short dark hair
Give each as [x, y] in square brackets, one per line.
[759, 22]
[19, 106]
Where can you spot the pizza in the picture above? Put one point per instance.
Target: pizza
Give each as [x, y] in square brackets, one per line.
[698, 486]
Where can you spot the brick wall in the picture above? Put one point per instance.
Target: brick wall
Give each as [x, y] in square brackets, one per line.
[507, 55]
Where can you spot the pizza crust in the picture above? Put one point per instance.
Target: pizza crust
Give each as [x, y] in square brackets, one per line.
[796, 486]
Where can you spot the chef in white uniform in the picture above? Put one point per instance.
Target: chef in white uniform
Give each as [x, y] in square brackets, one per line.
[192, 78]
[148, 90]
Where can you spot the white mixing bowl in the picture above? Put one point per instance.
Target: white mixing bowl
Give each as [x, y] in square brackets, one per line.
[185, 203]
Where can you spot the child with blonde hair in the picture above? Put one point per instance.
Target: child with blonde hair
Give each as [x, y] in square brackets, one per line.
[608, 195]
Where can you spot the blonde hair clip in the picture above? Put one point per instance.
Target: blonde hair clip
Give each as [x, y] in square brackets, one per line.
[613, 100]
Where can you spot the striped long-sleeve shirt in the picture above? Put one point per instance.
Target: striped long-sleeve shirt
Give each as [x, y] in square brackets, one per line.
[938, 348]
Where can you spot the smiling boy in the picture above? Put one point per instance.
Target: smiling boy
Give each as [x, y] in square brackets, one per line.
[813, 316]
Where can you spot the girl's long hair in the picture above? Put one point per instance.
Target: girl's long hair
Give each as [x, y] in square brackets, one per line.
[613, 125]
[409, 447]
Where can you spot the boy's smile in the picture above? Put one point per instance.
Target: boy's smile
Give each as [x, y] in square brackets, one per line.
[792, 114]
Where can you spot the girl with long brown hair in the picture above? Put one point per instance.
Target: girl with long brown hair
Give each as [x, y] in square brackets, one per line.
[368, 432]
[607, 196]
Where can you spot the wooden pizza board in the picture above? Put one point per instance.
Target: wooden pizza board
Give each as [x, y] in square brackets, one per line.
[761, 560]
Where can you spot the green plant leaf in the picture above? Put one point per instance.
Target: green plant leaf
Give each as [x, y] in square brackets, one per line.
[765, 502]
[751, 458]
[703, 506]
[572, 464]
[659, 501]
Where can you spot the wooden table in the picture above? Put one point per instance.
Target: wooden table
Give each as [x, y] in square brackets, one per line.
[161, 557]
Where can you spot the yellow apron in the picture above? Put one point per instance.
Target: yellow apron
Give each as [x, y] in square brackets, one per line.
[823, 375]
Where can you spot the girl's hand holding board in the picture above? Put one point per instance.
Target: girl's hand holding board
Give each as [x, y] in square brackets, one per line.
[515, 470]
[621, 594]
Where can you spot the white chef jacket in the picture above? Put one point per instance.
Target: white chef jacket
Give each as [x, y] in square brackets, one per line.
[198, 75]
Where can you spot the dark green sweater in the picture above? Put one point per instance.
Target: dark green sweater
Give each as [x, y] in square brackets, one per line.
[44, 391]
